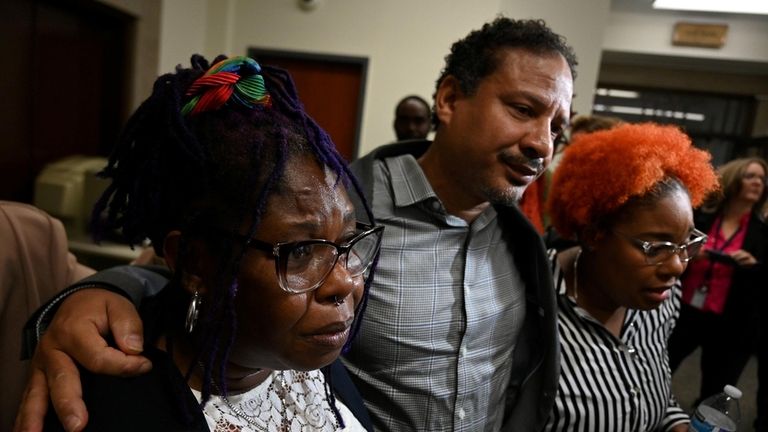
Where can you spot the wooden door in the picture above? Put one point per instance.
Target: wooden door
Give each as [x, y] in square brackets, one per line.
[64, 85]
[332, 89]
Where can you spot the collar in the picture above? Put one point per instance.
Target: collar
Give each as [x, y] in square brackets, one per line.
[411, 187]
[409, 183]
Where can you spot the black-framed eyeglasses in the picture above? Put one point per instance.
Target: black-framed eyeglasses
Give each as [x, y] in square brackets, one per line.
[304, 265]
[657, 252]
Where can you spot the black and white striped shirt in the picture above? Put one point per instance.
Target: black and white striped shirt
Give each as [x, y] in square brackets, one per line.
[614, 384]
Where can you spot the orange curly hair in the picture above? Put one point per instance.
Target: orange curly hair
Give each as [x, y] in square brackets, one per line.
[601, 171]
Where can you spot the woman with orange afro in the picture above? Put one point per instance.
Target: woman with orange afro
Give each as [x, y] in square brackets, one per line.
[626, 196]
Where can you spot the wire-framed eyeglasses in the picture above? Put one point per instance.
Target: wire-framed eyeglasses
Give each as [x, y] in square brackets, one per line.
[304, 265]
[657, 252]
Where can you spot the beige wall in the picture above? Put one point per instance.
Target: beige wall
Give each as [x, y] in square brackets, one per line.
[146, 44]
[183, 29]
[406, 40]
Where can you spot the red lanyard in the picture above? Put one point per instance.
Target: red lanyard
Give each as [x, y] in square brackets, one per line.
[729, 239]
[708, 272]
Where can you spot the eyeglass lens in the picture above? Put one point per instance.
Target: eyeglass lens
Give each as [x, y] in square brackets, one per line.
[307, 264]
[660, 252]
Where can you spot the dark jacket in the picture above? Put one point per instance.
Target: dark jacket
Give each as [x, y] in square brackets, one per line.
[157, 401]
[533, 382]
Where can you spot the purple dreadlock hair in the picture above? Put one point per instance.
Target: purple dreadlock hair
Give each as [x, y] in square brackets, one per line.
[205, 138]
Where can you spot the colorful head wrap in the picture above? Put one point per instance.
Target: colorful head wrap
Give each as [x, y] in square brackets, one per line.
[237, 80]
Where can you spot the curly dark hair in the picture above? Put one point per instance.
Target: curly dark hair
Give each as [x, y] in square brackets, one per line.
[477, 55]
[195, 173]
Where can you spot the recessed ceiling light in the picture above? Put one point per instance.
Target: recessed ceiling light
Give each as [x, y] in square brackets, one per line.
[730, 6]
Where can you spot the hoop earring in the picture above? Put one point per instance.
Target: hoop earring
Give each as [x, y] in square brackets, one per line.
[192, 312]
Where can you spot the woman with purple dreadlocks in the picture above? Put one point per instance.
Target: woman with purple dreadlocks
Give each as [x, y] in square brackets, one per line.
[246, 199]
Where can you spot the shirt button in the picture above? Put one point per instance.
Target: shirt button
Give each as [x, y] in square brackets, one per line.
[462, 414]
[631, 350]
[463, 351]
[435, 205]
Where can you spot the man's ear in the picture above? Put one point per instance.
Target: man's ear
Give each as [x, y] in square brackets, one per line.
[448, 92]
[171, 248]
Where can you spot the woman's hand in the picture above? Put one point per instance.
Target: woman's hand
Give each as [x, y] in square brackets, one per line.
[77, 333]
[682, 427]
[743, 258]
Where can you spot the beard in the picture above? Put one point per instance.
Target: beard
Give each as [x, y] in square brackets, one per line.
[510, 195]
[505, 197]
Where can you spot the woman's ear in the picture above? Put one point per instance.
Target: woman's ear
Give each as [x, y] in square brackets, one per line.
[171, 249]
[590, 237]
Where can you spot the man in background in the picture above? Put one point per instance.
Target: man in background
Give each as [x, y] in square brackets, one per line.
[412, 118]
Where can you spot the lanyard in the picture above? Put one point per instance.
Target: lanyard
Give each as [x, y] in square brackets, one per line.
[710, 267]
[729, 239]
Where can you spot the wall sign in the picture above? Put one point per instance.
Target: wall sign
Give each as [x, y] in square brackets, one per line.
[699, 35]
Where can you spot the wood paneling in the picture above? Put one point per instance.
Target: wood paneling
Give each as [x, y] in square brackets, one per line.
[64, 90]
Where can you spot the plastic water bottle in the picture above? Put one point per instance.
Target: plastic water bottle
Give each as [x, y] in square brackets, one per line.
[718, 413]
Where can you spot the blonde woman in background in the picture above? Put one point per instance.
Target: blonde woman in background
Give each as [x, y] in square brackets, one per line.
[722, 286]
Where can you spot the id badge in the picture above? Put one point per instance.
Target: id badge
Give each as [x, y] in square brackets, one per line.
[698, 298]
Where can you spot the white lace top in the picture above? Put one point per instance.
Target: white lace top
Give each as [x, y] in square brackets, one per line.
[287, 401]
